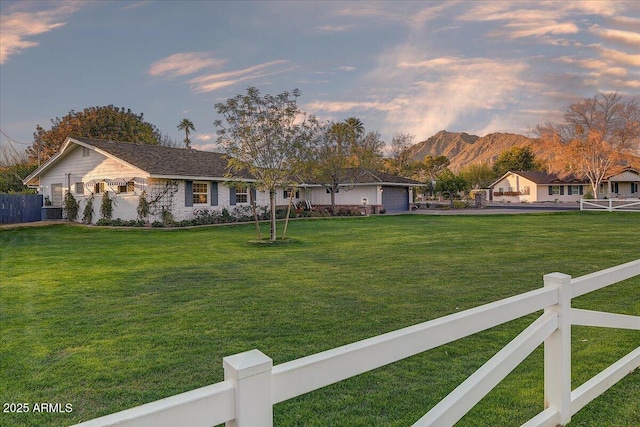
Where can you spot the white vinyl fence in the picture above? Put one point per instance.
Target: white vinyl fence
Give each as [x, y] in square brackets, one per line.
[610, 205]
[253, 385]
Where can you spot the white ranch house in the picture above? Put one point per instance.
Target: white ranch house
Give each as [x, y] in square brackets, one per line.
[534, 186]
[184, 181]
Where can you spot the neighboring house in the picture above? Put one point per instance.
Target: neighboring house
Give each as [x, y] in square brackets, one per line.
[181, 181]
[621, 183]
[533, 186]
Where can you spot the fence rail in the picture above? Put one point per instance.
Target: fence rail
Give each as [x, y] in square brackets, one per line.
[610, 205]
[253, 385]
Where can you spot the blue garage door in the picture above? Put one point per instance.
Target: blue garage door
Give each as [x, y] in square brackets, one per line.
[395, 199]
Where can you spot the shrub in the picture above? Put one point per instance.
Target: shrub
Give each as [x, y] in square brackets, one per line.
[87, 213]
[71, 206]
[143, 206]
[106, 207]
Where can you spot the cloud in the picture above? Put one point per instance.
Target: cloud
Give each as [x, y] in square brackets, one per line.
[181, 64]
[18, 27]
[212, 82]
[334, 28]
[347, 68]
[619, 57]
[627, 38]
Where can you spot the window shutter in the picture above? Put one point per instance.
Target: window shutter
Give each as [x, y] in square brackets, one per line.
[581, 190]
[562, 190]
[253, 194]
[232, 195]
[551, 190]
[188, 193]
[214, 193]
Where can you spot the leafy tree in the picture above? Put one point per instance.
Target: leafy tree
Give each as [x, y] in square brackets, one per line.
[14, 167]
[598, 132]
[266, 136]
[340, 155]
[448, 182]
[478, 175]
[429, 169]
[516, 159]
[400, 161]
[186, 125]
[107, 122]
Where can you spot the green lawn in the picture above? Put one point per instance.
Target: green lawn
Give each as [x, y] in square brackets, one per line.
[107, 319]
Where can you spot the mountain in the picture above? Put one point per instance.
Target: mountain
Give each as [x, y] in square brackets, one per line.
[463, 149]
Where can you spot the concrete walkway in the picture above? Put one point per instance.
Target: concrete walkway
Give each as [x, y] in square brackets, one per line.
[502, 209]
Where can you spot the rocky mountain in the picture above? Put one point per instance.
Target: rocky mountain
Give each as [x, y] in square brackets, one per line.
[463, 149]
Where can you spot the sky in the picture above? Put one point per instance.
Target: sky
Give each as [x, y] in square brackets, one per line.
[401, 67]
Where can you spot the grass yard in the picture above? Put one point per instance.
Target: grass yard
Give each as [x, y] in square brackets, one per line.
[107, 319]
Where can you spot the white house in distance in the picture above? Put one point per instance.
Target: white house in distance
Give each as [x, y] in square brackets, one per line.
[535, 186]
[184, 181]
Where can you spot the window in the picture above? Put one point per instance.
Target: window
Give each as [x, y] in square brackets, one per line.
[614, 187]
[79, 187]
[634, 187]
[287, 193]
[98, 187]
[241, 193]
[56, 194]
[329, 190]
[574, 189]
[554, 189]
[526, 190]
[129, 187]
[200, 192]
[85, 152]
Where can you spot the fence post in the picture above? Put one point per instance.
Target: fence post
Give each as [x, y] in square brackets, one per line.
[557, 350]
[250, 373]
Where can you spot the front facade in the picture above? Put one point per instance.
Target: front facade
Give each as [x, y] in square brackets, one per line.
[621, 183]
[534, 186]
[181, 182]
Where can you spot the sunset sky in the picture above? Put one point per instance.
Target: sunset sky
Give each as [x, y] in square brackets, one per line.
[401, 67]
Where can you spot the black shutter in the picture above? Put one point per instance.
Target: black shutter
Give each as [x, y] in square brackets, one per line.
[232, 195]
[214, 193]
[551, 190]
[581, 190]
[253, 194]
[188, 193]
[562, 190]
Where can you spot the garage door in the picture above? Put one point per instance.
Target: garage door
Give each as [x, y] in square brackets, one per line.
[395, 199]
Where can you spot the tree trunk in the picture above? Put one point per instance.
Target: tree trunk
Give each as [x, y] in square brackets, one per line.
[255, 214]
[333, 201]
[272, 203]
[286, 221]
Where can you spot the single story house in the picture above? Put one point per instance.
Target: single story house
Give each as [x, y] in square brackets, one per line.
[621, 183]
[535, 186]
[183, 182]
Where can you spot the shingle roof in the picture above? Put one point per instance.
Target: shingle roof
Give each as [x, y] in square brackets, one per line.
[167, 161]
[548, 178]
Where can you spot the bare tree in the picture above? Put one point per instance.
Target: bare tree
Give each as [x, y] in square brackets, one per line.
[399, 161]
[599, 132]
[265, 135]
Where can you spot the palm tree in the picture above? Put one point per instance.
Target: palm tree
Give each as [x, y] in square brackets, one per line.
[354, 129]
[186, 125]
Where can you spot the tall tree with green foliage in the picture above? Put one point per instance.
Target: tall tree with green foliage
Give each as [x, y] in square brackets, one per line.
[106, 122]
[516, 159]
[340, 155]
[478, 175]
[265, 135]
[186, 125]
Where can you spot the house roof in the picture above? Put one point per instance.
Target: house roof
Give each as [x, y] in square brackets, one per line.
[542, 178]
[167, 161]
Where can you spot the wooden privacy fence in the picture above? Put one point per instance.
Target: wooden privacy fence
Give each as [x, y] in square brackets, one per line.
[610, 205]
[253, 385]
[16, 208]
